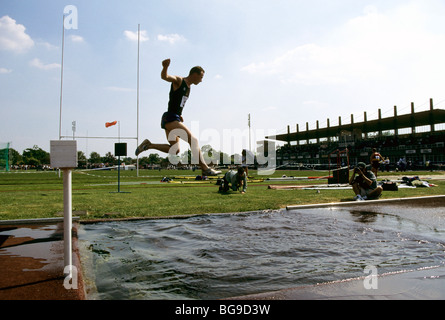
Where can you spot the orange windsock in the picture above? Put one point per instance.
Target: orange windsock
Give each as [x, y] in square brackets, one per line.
[109, 124]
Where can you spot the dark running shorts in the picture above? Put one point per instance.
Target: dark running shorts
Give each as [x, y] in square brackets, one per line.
[169, 117]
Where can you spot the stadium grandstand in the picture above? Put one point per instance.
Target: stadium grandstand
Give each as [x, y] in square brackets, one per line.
[410, 141]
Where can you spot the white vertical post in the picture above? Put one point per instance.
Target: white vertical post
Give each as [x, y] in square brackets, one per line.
[67, 220]
[250, 148]
[137, 103]
[64, 156]
[61, 79]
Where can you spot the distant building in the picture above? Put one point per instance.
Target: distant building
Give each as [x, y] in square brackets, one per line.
[415, 137]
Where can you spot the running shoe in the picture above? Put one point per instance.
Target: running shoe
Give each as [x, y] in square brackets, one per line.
[210, 172]
[142, 147]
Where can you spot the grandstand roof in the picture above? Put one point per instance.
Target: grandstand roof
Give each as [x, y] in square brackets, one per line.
[411, 120]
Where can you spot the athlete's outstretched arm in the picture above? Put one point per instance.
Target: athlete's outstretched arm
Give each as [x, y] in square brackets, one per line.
[176, 80]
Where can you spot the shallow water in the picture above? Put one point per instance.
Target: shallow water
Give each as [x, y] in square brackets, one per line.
[220, 256]
[32, 242]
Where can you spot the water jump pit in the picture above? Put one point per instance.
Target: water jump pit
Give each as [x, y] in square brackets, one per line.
[367, 250]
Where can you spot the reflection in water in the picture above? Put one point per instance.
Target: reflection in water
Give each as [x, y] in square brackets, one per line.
[364, 216]
[219, 256]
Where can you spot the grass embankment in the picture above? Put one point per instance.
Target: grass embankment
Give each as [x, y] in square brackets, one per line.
[40, 195]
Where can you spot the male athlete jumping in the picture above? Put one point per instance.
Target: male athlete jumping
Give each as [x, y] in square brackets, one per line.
[172, 121]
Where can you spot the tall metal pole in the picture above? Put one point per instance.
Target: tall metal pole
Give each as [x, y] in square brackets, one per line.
[61, 81]
[61, 78]
[139, 41]
[250, 148]
[74, 130]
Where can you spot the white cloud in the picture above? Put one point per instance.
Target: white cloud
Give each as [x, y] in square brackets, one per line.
[133, 36]
[171, 38]
[13, 36]
[374, 46]
[77, 39]
[5, 71]
[47, 45]
[309, 64]
[40, 65]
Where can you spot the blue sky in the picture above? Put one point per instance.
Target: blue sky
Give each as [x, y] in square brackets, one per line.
[284, 62]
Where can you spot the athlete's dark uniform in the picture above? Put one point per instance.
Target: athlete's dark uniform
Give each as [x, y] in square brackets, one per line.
[178, 98]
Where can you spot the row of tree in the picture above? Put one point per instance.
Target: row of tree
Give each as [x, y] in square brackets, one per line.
[37, 157]
[33, 157]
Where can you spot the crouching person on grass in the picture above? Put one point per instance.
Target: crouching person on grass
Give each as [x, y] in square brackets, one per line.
[364, 183]
[235, 180]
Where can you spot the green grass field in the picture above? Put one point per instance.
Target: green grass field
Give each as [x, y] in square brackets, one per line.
[26, 195]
